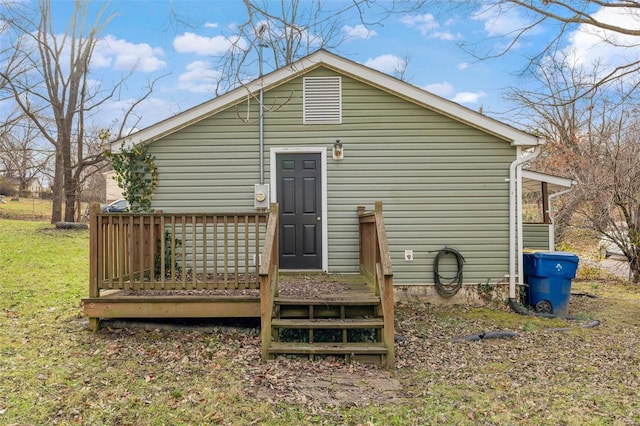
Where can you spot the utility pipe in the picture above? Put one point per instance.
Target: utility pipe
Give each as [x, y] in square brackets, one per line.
[261, 125]
[515, 209]
[261, 115]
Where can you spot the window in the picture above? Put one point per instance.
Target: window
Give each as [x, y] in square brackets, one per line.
[322, 100]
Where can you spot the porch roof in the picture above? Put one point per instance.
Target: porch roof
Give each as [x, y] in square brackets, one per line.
[531, 181]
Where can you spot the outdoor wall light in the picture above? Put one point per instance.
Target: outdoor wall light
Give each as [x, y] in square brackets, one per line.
[338, 152]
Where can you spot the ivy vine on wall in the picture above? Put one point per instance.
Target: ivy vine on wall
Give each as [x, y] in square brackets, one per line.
[136, 175]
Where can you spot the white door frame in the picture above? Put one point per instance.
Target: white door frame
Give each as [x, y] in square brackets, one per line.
[323, 160]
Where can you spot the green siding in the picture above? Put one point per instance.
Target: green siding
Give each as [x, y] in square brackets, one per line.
[442, 183]
[535, 236]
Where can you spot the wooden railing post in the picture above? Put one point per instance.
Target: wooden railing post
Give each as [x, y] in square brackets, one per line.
[375, 264]
[94, 232]
[269, 269]
[360, 245]
[95, 263]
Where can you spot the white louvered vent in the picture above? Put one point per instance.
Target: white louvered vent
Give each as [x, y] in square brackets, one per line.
[322, 99]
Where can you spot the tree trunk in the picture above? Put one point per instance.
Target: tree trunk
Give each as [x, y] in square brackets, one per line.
[57, 189]
[69, 184]
[71, 200]
[634, 271]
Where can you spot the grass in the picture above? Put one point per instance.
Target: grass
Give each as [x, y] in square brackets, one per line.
[33, 209]
[26, 209]
[53, 371]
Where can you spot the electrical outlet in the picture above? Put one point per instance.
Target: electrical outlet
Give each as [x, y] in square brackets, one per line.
[408, 255]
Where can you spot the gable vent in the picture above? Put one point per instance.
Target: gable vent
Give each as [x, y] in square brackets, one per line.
[322, 99]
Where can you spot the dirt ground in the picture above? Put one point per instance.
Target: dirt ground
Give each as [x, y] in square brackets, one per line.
[547, 367]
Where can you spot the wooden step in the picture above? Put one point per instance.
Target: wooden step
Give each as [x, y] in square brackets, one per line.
[368, 300]
[328, 324]
[328, 348]
[322, 311]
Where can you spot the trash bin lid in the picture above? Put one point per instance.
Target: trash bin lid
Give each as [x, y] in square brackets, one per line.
[564, 256]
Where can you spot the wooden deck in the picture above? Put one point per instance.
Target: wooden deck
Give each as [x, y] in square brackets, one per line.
[119, 304]
[204, 266]
[294, 289]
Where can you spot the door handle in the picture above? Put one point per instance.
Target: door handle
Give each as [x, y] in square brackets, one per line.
[318, 218]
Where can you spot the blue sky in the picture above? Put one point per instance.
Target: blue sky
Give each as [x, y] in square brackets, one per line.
[145, 37]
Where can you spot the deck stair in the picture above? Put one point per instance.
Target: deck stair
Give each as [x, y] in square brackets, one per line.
[349, 323]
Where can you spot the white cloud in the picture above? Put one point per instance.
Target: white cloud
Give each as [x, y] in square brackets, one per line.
[123, 55]
[425, 23]
[211, 25]
[385, 63]
[468, 97]
[446, 36]
[200, 77]
[359, 31]
[462, 66]
[450, 21]
[444, 89]
[589, 45]
[150, 111]
[204, 46]
[499, 21]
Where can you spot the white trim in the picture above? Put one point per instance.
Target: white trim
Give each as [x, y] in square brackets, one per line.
[557, 183]
[273, 152]
[346, 67]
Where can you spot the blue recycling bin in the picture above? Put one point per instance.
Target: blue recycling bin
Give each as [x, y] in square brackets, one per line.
[549, 275]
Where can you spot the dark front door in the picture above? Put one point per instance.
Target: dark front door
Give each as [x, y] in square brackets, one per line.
[299, 178]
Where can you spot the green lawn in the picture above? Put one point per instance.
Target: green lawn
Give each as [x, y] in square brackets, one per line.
[53, 371]
[26, 209]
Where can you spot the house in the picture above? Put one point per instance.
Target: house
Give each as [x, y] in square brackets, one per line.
[112, 190]
[305, 152]
[32, 187]
[35, 187]
[332, 135]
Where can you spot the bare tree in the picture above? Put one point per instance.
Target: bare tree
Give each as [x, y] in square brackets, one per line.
[595, 140]
[609, 24]
[47, 75]
[20, 155]
[276, 34]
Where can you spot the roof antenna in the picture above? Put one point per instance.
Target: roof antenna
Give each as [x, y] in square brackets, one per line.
[261, 44]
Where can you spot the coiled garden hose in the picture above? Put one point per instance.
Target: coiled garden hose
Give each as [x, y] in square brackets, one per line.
[455, 282]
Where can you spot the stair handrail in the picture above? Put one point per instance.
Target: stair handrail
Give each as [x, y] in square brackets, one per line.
[269, 271]
[375, 264]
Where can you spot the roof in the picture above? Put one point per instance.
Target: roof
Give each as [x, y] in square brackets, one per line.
[343, 66]
[531, 181]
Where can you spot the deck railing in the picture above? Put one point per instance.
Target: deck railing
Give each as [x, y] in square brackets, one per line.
[375, 266]
[269, 270]
[175, 251]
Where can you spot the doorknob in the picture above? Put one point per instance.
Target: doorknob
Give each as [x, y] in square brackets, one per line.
[319, 218]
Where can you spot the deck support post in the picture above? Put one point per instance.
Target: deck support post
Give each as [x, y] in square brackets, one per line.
[94, 324]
